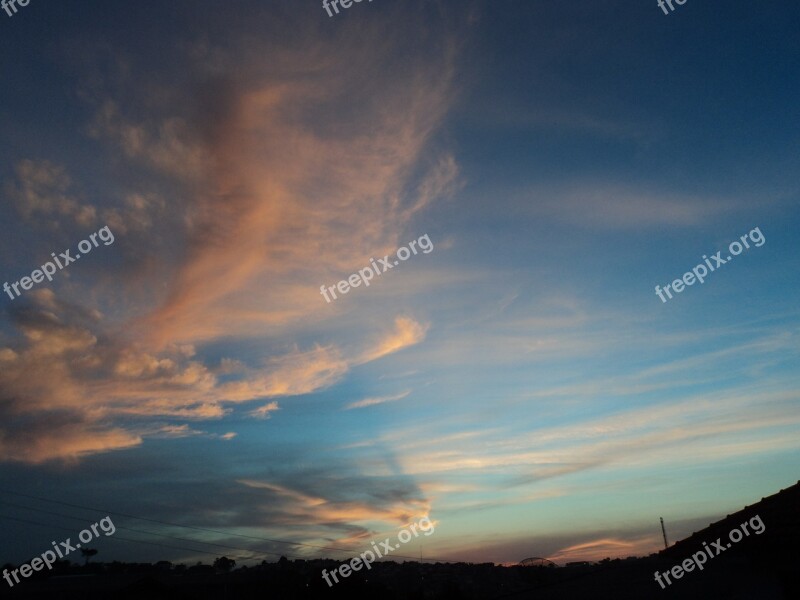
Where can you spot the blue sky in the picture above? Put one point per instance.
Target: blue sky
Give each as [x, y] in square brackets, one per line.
[522, 383]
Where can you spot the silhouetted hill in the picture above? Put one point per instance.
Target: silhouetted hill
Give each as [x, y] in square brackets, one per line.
[780, 514]
[763, 566]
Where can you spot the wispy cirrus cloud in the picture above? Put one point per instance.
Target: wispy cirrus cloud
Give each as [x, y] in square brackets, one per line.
[617, 206]
[44, 193]
[232, 172]
[377, 400]
[184, 431]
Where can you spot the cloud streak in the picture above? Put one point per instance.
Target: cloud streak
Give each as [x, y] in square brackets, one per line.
[373, 401]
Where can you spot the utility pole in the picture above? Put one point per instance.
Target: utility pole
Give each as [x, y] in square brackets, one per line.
[664, 531]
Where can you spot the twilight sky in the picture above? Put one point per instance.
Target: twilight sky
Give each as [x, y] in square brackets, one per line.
[521, 383]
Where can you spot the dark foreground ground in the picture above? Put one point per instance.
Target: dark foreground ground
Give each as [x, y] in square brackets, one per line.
[728, 578]
[760, 567]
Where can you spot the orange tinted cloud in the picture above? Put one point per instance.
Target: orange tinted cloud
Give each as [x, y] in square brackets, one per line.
[265, 412]
[607, 547]
[308, 508]
[64, 441]
[96, 377]
[283, 179]
[282, 204]
[407, 332]
[43, 193]
[290, 375]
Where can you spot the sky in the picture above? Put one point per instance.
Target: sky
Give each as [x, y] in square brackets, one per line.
[520, 382]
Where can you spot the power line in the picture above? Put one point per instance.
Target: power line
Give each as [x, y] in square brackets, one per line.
[217, 531]
[100, 510]
[116, 537]
[48, 512]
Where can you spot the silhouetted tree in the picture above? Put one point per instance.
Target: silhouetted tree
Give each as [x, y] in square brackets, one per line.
[223, 563]
[88, 553]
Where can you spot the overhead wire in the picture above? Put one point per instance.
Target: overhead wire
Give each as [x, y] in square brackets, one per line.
[119, 537]
[205, 529]
[48, 512]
